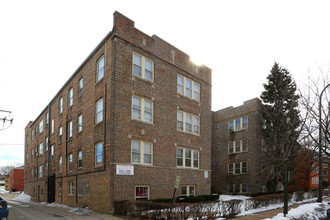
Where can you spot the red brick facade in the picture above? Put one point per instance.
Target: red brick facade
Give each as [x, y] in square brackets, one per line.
[110, 100]
[16, 180]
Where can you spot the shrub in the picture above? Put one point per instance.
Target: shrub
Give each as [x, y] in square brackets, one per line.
[122, 207]
[197, 199]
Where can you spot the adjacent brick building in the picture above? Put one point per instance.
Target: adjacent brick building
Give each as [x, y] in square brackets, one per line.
[16, 179]
[135, 115]
[236, 149]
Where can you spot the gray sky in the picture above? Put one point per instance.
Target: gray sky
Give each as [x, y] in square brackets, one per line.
[42, 43]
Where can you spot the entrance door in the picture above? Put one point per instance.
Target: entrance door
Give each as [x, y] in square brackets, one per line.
[51, 189]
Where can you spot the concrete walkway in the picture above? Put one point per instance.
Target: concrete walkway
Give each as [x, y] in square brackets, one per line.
[271, 213]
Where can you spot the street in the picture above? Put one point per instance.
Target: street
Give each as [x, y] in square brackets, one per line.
[33, 210]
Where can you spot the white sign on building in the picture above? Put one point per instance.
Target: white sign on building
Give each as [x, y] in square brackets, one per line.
[124, 170]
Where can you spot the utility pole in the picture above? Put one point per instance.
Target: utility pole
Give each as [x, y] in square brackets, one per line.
[6, 119]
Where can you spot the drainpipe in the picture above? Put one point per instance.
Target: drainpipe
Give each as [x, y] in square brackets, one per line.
[48, 153]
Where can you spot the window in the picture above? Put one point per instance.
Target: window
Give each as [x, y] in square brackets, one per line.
[80, 123]
[79, 159]
[188, 190]
[53, 125]
[80, 188]
[325, 173]
[70, 162]
[187, 158]
[70, 130]
[70, 97]
[60, 189]
[217, 127]
[98, 153]
[141, 109]
[47, 118]
[188, 88]
[60, 135]
[143, 67]
[32, 134]
[41, 126]
[52, 152]
[80, 86]
[70, 189]
[141, 152]
[41, 147]
[313, 180]
[141, 192]
[238, 146]
[238, 124]
[325, 165]
[99, 111]
[238, 168]
[46, 144]
[100, 69]
[87, 187]
[60, 106]
[40, 171]
[187, 122]
[60, 162]
[237, 188]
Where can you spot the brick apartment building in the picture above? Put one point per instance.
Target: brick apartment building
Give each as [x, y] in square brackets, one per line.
[236, 149]
[135, 115]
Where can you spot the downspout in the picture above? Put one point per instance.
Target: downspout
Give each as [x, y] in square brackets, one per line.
[48, 154]
[105, 107]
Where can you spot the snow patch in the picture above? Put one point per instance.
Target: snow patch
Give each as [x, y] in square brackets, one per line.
[80, 211]
[3, 192]
[23, 198]
[233, 197]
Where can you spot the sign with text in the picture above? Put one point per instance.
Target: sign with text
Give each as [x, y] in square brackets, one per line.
[177, 182]
[124, 170]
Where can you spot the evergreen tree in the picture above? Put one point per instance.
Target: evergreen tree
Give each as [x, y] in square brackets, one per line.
[281, 123]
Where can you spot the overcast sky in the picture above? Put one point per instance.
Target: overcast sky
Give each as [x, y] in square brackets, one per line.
[42, 43]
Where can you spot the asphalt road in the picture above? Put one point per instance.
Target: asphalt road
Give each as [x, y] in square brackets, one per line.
[40, 211]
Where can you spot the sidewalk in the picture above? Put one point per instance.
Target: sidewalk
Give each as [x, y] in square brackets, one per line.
[271, 213]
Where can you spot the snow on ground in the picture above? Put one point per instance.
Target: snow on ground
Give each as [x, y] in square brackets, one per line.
[306, 211]
[3, 192]
[23, 198]
[232, 197]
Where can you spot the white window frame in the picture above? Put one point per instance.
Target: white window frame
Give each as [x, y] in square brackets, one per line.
[41, 126]
[234, 186]
[192, 158]
[100, 69]
[99, 111]
[187, 190]
[234, 143]
[80, 86]
[80, 123]
[53, 126]
[98, 162]
[60, 106]
[80, 158]
[71, 97]
[60, 164]
[52, 152]
[188, 119]
[41, 149]
[194, 90]
[234, 124]
[143, 67]
[141, 152]
[40, 174]
[70, 131]
[232, 168]
[142, 109]
[70, 189]
[60, 134]
[70, 162]
[143, 197]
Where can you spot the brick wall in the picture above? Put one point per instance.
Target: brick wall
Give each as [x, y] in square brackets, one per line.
[16, 180]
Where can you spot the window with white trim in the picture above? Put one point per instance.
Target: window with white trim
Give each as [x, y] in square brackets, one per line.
[40, 171]
[141, 152]
[188, 88]
[80, 123]
[325, 165]
[60, 106]
[237, 188]
[60, 162]
[238, 146]
[41, 148]
[238, 168]
[100, 69]
[99, 111]
[53, 126]
[60, 133]
[98, 154]
[70, 129]
[70, 97]
[70, 189]
[142, 109]
[188, 190]
[41, 126]
[142, 192]
[70, 163]
[80, 159]
[80, 86]
[238, 124]
[187, 122]
[143, 67]
[187, 158]
[52, 152]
